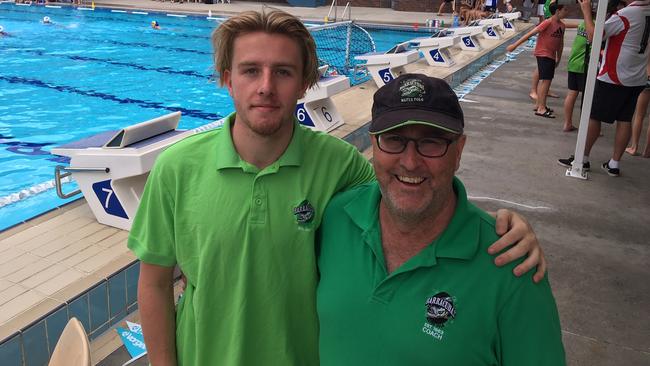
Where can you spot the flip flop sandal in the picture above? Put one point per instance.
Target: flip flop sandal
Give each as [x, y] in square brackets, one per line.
[547, 108]
[546, 114]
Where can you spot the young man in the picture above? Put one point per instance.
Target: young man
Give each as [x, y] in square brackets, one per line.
[621, 79]
[405, 279]
[548, 52]
[578, 62]
[237, 210]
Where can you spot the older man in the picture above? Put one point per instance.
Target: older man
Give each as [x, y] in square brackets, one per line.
[405, 277]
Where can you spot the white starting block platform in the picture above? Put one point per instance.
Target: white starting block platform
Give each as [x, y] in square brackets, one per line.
[469, 37]
[436, 49]
[111, 168]
[508, 21]
[384, 67]
[494, 27]
[316, 109]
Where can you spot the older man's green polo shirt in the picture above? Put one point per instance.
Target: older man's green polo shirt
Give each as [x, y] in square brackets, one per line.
[448, 305]
[244, 238]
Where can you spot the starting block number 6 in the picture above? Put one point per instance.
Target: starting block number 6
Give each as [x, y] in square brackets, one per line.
[304, 117]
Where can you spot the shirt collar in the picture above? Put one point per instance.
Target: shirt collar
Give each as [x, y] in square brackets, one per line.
[459, 240]
[229, 158]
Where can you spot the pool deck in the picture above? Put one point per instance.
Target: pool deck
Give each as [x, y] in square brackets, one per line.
[594, 233]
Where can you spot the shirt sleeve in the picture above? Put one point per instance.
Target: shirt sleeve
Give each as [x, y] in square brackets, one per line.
[529, 327]
[613, 26]
[542, 27]
[359, 171]
[152, 235]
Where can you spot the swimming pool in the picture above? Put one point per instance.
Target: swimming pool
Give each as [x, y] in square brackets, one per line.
[94, 71]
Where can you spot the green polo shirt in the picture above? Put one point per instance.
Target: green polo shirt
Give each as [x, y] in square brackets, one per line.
[244, 238]
[448, 305]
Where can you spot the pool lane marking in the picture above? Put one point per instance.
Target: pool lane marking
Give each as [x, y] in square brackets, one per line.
[208, 26]
[118, 11]
[95, 94]
[165, 69]
[177, 15]
[140, 12]
[28, 192]
[476, 198]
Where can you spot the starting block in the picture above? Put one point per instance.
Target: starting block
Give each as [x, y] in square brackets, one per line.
[494, 27]
[111, 168]
[384, 67]
[436, 49]
[508, 21]
[316, 109]
[468, 36]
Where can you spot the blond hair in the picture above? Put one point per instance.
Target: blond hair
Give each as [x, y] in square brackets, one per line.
[272, 22]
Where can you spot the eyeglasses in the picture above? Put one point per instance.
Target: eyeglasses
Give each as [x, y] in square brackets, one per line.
[429, 147]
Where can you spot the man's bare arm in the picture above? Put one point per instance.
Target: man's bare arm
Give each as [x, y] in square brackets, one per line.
[156, 304]
[519, 235]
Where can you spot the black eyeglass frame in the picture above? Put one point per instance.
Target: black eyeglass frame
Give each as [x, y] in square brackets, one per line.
[406, 141]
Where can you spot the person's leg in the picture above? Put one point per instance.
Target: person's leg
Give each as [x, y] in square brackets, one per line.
[534, 84]
[569, 104]
[441, 8]
[637, 122]
[623, 132]
[542, 92]
[646, 150]
[593, 132]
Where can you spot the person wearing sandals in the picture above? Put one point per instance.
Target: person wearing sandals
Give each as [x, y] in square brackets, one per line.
[621, 79]
[548, 52]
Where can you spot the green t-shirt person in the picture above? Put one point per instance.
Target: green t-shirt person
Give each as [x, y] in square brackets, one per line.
[244, 238]
[447, 305]
[578, 59]
[547, 11]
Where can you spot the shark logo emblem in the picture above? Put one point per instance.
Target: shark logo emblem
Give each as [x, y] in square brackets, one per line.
[440, 308]
[412, 90]
[304, 212]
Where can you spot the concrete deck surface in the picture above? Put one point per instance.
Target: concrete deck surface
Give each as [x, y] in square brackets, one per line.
[595, 233]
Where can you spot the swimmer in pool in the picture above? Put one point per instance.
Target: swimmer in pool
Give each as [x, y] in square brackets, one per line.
[155, 25]
[2, 32]
[47, 20]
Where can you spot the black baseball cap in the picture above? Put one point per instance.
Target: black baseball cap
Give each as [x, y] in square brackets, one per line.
[416, 99]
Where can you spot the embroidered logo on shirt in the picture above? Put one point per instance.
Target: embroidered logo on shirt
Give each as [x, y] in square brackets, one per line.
[304, 212]
[439, 310]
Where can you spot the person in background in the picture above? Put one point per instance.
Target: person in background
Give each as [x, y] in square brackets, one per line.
[443, 4]
[637, 123]
[578, 62]
[621, 79]
[548, 51]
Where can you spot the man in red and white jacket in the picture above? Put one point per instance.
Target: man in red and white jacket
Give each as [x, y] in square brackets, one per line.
[622, 77]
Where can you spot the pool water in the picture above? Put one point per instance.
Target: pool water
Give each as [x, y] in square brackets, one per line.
[94, 71]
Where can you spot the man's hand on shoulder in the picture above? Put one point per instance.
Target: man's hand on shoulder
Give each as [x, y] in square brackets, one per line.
[516, 233]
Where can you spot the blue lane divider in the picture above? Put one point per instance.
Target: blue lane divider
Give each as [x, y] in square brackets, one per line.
[95, 94]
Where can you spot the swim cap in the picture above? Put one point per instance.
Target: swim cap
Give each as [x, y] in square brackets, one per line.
[46, 19]
[1, 29]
